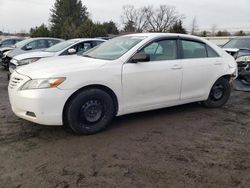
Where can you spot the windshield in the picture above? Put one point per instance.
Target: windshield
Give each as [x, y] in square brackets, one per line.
[23, 43]
[114, 48]
[238, 43]
[60, 46]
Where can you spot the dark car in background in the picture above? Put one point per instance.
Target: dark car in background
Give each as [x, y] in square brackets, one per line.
[239, 48]
[29, 45]
[236, 44]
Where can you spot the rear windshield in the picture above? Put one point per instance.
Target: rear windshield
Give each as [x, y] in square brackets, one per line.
[238, 43]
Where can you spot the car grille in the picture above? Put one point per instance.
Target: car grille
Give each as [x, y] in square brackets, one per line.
[17, 80]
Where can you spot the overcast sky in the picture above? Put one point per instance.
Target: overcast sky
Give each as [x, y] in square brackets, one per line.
[17, 15]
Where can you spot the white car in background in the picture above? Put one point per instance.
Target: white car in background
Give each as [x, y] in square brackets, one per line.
[69, 47]
[127, 74]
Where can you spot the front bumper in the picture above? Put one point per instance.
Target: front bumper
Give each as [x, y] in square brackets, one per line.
[41, 106]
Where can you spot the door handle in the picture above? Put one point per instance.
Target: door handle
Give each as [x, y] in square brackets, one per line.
[176, 67]
[218, 63]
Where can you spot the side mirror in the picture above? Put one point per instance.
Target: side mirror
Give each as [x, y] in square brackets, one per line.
[140, 57]
[28, 47]
[71, 51]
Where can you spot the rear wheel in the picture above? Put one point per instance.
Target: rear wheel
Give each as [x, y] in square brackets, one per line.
[219, 94]
[90, 111]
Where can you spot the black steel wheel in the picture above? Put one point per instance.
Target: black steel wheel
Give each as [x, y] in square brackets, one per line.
[89, 111]
[219, 94]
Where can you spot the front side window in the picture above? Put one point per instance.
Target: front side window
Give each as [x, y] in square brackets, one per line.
[161, 50]
[192, 49]
[31, 45]
[85, 46]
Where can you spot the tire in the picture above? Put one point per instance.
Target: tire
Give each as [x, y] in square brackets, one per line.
[219, 94]
[89, 112]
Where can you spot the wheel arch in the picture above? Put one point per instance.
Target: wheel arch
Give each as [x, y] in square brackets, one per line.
[93, 86]
[228, 77]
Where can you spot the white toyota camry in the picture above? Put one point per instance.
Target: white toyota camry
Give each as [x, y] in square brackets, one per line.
[127, 74]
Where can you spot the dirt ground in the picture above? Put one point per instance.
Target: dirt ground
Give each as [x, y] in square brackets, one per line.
[186, 146]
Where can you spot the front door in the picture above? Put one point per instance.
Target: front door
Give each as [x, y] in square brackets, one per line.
[156, 83]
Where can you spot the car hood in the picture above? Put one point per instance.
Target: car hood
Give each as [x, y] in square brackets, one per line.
[6, 48]
[18, 51]
[34, 55]
[59, 66]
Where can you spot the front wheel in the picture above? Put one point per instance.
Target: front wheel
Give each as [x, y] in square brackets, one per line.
[219, 94]
[89, 112]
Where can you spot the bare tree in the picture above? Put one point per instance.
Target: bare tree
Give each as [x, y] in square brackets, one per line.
[149, 19]
[136, 16]
[194, 26]
[163, 18]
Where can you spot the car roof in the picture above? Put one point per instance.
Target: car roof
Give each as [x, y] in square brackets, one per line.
[37, 38]
[85, 39]
[242, 37]
[163, 35]
[12, 38]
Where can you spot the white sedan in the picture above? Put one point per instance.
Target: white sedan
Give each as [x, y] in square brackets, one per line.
[127, 74]
[69, 47]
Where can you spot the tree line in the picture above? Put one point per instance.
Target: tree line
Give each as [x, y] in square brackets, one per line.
[71, 19]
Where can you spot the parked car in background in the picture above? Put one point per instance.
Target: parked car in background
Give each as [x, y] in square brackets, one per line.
[127, 74]
[239, 48]
[29, 45]
[69, 47]
[235, 44]
[7, 44]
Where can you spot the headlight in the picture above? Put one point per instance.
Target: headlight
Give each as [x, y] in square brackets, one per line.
[28, 61]
[43, 83]
[243, 59]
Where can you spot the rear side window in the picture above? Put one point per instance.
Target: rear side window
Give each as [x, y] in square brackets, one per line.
[211, 52]
[192, 49]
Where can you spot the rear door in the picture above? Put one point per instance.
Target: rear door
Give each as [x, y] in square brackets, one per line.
[200, 68]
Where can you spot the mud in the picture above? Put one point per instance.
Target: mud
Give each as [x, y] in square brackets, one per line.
[185, 146]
